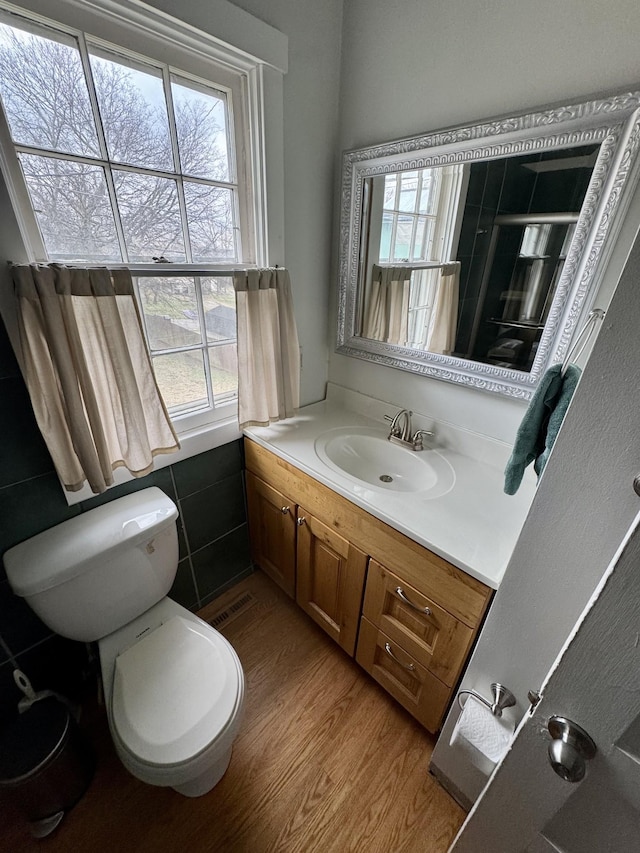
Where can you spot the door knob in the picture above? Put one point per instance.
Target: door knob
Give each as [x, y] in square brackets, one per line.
[570, 749]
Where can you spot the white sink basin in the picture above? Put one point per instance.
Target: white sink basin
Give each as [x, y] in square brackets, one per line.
[366, 455]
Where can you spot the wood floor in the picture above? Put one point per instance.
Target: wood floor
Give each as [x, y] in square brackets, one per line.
[325, 761]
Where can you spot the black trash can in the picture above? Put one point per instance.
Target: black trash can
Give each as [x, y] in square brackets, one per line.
[46, 764]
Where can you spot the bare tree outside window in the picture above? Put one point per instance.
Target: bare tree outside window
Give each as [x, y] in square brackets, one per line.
[127, 161]
[45, 93]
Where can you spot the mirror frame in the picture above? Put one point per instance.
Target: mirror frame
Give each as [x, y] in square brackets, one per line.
[613, 122]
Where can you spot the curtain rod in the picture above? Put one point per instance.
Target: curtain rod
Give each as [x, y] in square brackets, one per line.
[178, 270]
[433, 265]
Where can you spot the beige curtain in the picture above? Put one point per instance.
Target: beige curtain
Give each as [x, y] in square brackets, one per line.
[89, 374]
[387, 311]
[268, 350]
[441, 337]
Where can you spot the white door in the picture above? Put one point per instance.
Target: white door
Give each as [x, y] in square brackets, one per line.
[595, 682]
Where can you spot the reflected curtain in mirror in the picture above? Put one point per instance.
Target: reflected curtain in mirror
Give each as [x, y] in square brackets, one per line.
[441, 334]
[268, 349]
[387, 310]
[413, 306]
[88, 373]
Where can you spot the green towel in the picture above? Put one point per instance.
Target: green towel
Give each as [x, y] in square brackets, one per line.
[540, 425]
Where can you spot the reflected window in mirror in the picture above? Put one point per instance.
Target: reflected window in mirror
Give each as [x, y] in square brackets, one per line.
[507, 224]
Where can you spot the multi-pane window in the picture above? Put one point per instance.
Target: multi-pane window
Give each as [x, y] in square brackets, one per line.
[409, 215]
[123, 159]
[190, 324]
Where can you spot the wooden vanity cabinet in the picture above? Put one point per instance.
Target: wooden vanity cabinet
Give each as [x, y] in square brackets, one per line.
[410, 616]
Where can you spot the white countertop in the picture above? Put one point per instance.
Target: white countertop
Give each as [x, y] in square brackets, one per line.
[474, 525]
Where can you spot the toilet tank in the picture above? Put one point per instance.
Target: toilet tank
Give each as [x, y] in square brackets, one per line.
[94, 573]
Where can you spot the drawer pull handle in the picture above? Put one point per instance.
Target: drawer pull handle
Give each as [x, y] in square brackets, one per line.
[285, 510]
[426, 611]
[408, 666]
[301, 520]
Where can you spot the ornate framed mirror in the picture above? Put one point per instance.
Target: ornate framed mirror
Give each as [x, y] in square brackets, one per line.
[471, 254]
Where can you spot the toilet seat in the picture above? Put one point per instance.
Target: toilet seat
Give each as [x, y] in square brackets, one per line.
[175, 691]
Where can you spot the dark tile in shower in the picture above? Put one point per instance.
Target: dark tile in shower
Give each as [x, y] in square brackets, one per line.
[477, 180]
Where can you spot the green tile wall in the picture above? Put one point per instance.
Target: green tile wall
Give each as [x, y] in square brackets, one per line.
[213, 535]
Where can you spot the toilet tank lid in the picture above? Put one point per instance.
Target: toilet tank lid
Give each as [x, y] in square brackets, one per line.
[62, 552]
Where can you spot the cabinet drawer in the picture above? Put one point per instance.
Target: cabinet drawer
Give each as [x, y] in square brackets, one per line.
[401, 675]
[433, 637]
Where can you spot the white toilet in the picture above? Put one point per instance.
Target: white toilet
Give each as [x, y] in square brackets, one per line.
[173, 686]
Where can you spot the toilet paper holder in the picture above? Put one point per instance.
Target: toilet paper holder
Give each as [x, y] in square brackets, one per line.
[502, 698]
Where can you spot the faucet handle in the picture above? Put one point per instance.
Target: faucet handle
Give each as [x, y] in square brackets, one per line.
[417, 438]
[393, 420]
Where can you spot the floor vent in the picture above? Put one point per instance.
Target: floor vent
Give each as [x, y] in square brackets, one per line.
[232, 610]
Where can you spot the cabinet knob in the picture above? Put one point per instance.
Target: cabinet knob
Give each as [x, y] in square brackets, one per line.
[300, 521]
[285, 510]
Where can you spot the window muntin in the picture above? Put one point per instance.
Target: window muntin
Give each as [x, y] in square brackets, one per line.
[133, 128]
[190, 326]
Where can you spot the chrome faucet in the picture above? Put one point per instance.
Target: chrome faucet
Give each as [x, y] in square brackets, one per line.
[400, 431]
[396, 431]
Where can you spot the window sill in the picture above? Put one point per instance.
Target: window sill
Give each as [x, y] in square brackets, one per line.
[192, 442]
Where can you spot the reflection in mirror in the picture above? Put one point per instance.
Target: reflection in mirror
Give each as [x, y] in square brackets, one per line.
[465, 259]
[473, 254]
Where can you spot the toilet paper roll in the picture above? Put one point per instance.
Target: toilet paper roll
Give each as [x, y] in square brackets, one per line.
[483, 736]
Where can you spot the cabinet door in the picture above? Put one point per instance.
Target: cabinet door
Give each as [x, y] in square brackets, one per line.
[330, 579]
[273, 533]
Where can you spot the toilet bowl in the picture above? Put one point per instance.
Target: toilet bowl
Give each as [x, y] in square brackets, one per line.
[174, 698]
[173, 686]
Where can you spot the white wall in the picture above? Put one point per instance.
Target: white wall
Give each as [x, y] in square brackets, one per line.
[409, 67]
[311, 89]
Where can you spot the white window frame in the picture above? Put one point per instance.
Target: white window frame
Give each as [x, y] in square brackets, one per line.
[257, 62]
